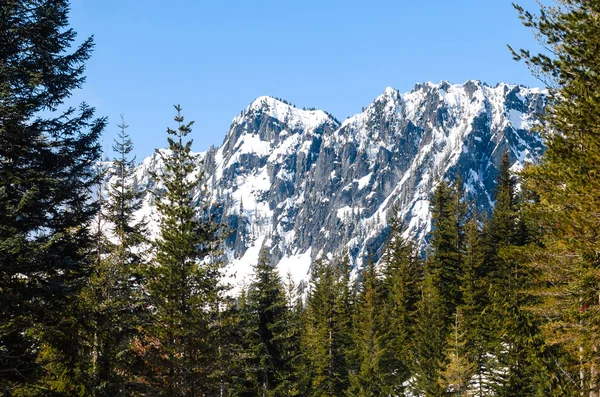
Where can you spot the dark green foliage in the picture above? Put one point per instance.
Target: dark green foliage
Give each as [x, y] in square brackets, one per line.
[124, 199]
[447, 220]
[473, 330]
[400, 292]
[233, 360]
[368, 378]
[180, 345]
[440, 290]
[427, 359]
[46, 173]
[565, 262]
[270, 349]
[326, 332]
[114, 296]
[512, 330]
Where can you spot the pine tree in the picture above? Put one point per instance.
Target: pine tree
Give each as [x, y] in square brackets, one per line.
[440, 289]
[295, 305]
[181, 349]
[401, 275]
[369, 377]
[47, 157]
[447, 219]
[325, 332]
[427, 359]
[460, 368]
[473, 325]
[566, 183]
[232, 361]
[114, 296]
[342, 325]
[270, 350]
[513, 331]
[243, 379]
[124, 199]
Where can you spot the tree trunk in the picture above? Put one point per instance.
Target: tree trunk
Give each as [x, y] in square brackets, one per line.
[594, 389]
[581, 372]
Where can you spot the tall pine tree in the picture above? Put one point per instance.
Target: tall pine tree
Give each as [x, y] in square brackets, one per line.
[369, 375]
[270, 351]
[184, 281]
[430, 330]
[401, 271]
[566, 183]
[440, 289]
[448, 213]
[514, 335]
[326, 332]
[115, 295]
[47, 158]
[473, 327]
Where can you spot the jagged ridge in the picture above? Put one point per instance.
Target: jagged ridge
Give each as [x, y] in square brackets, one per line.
[307, 187]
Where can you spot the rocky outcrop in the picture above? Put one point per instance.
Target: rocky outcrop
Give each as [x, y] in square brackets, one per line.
[308, 186]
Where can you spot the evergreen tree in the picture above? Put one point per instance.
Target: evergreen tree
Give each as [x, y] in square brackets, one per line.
[243, 379]
[401, 275]
[565, 264]
[430, 332]
[343, 324]
[460, 368]
[369, 377]
[124, 199]
[513, 332]
[447, 220]
[440, 290]
[472, 332]
[231, 330]
[295, 304]
[270, 348]
[47, 157]
[326, 332]
[114, 296]
[181, 348]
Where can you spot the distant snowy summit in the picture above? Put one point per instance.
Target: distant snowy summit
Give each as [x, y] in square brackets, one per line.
[307, 186]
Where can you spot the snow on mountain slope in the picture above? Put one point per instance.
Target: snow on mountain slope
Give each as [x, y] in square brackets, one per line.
[305, 186]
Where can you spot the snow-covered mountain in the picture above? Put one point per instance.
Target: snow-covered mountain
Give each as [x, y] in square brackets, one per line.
[308, 186]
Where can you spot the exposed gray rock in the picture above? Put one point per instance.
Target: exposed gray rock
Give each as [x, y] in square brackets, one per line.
[309, 187]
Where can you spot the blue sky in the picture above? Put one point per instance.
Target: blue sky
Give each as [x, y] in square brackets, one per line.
[215, 57]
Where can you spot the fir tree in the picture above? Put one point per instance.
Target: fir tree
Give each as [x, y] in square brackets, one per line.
[124, 199]
[440, 290]
[343, 323]
[270, 348]
[243, 379]
[513, 332]
[567, 186]
[447, 220]
[401, 275]
[369, 377]
[461, 368]
[473, 327]
[47, 157]
[181, 349]
[325, 337]
[114, 296]
[427, 359]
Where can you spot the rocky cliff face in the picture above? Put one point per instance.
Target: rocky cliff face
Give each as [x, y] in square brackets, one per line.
[308, 186]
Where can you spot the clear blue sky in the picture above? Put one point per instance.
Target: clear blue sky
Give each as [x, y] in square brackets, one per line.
[215, 57]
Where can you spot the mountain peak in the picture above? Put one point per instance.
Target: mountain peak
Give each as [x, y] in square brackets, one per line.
[390, 91]
[267, 101]
[285, 112]
[307, 187]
